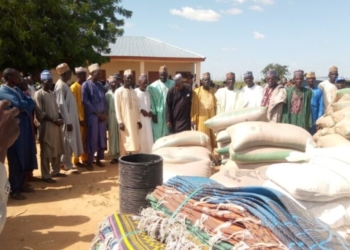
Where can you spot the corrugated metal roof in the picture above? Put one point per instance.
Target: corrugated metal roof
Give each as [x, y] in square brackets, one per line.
[147, 47]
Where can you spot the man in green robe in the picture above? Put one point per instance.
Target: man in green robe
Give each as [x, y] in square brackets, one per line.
[113, 130]
[297, 110]
[158, 91]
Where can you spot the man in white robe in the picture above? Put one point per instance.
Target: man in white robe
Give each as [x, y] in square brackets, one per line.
[253, 93]
[144, 103]
[329, 87]
[68, 109]
[228, 99]
[127, 111]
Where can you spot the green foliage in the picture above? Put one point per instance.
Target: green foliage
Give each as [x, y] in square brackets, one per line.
[40, 34]
[282, 70]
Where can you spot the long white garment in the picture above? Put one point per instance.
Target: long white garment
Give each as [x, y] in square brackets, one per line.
[228, 100]
[67, 106]
[127, 112]
[146, 134]
[4, 193]
[31, 91]
[329, 93]
[253, 95]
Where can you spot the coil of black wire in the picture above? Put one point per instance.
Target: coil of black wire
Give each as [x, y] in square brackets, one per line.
[139, 174]
[141, 171]
[132, 200]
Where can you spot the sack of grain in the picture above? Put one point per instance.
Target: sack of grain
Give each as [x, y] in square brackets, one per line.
[241, 177]
[339, 106]
[223, 136]
[317, 135]
[253, 134]
[178, 155]
[310, 182]
[327, 131]
[343, 128]
[202, 168]
[223, 144]
[344, 98]
[261, 155]
[342, 92]
[337, 153]
[224, 120]
[340, 115]
[223, 151]
[325, 122]
[229, 164]
[333, 140]
[186, 138]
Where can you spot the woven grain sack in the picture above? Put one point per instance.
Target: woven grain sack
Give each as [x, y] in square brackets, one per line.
[224, 120]
[334, 140]
[223, 144]
[229, 164]
[341, 114]
[327, 131]
[344, 98]
[342, 92]
[339, 106]
[178, 155]
[343, 128]
[325, 122]
[241, 177]
[254, 134]
[202, 168]
[317, 135]
[223, 151]
[261, 155]
[309, 182]
[223, 136]
[186, 138]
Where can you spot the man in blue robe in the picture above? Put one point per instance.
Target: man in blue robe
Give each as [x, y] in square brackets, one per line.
[317, 105]
[95, 108]
[21, 155]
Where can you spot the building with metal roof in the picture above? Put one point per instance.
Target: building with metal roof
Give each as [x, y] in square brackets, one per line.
[146, 55]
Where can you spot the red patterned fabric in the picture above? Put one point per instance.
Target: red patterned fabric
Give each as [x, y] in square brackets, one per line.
[296, 103]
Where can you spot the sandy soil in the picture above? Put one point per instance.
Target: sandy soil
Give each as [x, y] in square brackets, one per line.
[64, 215]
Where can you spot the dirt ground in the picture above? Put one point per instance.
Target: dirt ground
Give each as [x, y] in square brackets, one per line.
[64, 215]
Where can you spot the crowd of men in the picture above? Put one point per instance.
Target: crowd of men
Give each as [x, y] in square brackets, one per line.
[73, 120]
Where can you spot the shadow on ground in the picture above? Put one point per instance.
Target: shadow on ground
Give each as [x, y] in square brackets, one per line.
[24, 230]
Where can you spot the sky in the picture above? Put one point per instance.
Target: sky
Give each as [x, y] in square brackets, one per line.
[246, 35]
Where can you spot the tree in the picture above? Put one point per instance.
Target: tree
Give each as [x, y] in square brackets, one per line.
[40, 34]
[281, 70]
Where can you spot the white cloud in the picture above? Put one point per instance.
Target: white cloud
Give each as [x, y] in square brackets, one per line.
[175, 27]
[258, 35]
[240, 1]
[231, 49]
[256, 8]
[233, 11]
[201, 15]
[266, 2]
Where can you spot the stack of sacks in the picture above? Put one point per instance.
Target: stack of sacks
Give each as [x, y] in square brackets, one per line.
[263, 142]
[187, 153]
[321, 186]
[231, 218]
[335, 124]
[220, 122]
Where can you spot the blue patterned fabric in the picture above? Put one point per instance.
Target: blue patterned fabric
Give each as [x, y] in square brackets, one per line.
[293, 226]
[317, 107]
